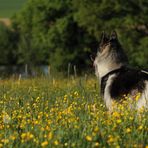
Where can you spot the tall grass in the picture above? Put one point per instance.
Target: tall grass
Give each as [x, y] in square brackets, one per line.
[44, 112]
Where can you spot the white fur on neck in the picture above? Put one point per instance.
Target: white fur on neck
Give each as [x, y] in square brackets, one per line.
[105, 67]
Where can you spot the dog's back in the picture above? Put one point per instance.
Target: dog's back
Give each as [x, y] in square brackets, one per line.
[127, 80]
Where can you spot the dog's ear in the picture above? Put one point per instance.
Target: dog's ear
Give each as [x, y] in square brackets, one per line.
[113, 36]
[104, 38]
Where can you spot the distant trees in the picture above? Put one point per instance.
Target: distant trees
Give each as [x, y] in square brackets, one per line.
[61, 32]
[128, 18]
[50, 35]
[8, 46]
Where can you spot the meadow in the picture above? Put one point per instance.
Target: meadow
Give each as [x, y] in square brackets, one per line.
[45, 112]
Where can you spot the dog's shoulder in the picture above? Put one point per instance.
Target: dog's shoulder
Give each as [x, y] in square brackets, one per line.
[126, 80]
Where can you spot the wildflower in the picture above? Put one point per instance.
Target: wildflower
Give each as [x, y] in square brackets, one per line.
[88, 138]
[76, 94]
[5, 141]
[42, 129]
[45, 143]
[1, 127]
[96, 129]
[96, 144]
[119, 121]
[56, 142]
[116, 114]
[110, 139]
[50, 135]
[1, 145]
[128, 130]
[131, 118]
[140, 127]
[27, 136]
[12, 137]
[36, 140]
[137, 96]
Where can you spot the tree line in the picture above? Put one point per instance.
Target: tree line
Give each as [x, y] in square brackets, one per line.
[58, 32]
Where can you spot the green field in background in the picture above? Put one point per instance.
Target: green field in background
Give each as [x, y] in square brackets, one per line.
[9, 7]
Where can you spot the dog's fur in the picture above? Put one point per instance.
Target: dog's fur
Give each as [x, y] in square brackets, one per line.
[116, 78]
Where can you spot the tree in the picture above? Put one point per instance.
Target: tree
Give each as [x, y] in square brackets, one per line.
[61, 32]
[49, 35]
[128, 18]
[8, 42]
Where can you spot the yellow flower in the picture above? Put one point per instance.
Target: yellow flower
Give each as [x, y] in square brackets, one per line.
[56, 142]
[96, 129]
[137, 96]
[27, 136]
[110, 139]
[140, 127]
[36, 141]
[128, 130]
[88, 138]
[119, 121]
[96, 144]
[45, 143]
[131, 118]
[76, 94]
[116, 114]
[12, 137]
[5, 141]
[1, 145]
[50, 135]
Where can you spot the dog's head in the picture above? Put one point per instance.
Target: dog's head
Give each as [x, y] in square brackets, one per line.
[110, 54]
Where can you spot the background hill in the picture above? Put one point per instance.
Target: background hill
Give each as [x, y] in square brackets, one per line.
[10, 7]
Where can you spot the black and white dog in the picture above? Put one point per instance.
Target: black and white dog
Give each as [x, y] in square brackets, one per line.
[116, 78]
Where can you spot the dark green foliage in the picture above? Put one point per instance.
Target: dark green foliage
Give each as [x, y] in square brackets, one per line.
[8, 43]
[58, 32]
[128, 18]
[50, 35]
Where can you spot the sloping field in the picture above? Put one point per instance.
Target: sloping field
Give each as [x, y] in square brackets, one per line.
[9, 7]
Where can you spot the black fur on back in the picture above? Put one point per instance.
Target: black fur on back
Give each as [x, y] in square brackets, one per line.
[127, 79]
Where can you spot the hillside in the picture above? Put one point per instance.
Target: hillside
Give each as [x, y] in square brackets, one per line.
[9, 7]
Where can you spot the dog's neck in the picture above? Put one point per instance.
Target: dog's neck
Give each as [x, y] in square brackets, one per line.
[106, 69]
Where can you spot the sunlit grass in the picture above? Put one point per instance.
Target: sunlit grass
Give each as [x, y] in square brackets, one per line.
[45, 112]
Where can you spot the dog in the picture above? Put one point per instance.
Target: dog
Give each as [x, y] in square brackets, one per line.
[116, 78]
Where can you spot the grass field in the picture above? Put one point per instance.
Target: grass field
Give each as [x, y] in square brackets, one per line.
[45, 112]
[9, 7]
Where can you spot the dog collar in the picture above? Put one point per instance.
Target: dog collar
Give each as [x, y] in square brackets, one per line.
[105, 78]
